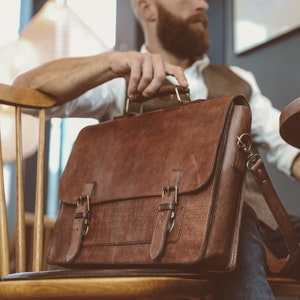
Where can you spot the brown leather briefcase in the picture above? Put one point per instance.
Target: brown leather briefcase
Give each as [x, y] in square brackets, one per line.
[160, 189]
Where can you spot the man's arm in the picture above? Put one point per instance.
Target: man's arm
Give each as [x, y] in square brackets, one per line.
[296, 167]
[68, 78]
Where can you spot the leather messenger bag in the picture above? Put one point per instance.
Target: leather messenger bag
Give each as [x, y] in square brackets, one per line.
[159, 189]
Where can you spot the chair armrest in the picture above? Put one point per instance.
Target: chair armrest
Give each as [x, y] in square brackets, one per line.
[25, 97]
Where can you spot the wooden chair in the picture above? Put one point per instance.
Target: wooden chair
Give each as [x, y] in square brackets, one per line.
[79, 284]
[290, 123]
[48, 225]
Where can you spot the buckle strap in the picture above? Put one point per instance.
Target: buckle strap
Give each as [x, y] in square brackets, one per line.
[81, 216]
[165, 215]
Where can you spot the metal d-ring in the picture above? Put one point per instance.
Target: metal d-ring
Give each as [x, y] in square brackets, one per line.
[244, 143]
[179, 99]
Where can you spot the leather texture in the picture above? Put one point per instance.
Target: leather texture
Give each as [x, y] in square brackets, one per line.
[165, 184]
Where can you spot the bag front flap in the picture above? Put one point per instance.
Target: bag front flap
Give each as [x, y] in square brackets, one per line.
[132, 157]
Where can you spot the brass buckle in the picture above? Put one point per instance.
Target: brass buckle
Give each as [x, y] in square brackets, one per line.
[167, 190]
[80, 201]
[179, 99]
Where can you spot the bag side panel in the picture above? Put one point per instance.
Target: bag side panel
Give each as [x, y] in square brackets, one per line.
[222, 241]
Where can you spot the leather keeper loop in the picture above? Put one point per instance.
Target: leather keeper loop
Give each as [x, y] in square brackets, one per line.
[166, 206]
[78, 215]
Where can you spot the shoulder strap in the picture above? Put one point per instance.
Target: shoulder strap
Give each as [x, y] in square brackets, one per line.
[257, 168]
[281, 216]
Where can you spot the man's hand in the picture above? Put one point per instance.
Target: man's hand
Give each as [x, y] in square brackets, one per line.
[144, 72]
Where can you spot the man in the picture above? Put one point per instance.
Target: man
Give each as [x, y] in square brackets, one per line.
[177, 31]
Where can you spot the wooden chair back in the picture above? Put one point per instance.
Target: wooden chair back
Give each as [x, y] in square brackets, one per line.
[19, 98]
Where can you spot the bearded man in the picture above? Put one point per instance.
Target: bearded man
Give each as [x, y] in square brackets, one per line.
[178, 31]
[176, 35]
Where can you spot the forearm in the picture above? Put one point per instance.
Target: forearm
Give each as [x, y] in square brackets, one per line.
[68, 78]
[296, 167]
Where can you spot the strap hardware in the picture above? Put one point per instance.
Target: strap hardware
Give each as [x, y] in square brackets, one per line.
[84, 200]
[244, 143]
[167, 190]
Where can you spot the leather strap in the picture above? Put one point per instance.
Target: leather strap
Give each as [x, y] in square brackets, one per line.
[281, 216]
[165, 215]
[80, 222]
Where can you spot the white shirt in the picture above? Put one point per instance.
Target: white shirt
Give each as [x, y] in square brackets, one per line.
[106, 101]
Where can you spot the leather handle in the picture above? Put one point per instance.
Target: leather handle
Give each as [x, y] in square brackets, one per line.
[165, 90]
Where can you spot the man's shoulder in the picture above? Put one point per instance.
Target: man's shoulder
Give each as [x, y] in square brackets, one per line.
[229, 69]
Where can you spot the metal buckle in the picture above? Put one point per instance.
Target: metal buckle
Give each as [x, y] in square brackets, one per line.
[167, 190]
[180, 99]
[80, 201]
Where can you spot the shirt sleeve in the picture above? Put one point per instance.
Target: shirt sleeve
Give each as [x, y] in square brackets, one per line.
[265, 127]
[102, 102]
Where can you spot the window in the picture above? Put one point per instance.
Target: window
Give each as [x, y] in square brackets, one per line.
[9, 26]
[100, 16]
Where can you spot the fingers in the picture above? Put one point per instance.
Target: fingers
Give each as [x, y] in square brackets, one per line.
[148, 73]
[178, 73]
[153, 75]
[141, 75]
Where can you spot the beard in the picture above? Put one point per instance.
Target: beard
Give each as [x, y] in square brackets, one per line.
[179, 37]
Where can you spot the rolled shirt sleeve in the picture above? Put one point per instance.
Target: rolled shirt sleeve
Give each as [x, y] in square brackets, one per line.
[102, 102]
